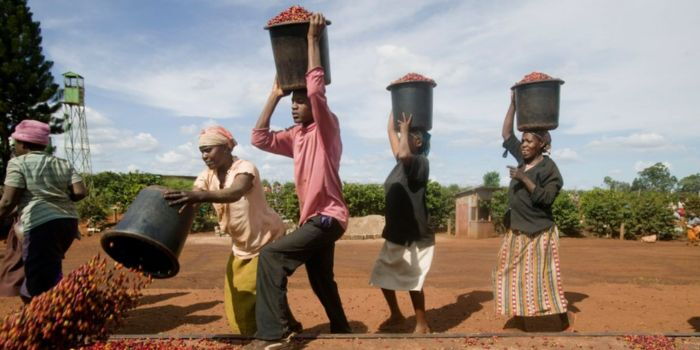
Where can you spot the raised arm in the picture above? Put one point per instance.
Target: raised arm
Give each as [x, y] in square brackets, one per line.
[273, 99]
[393, 136]
[316, 25]
[263, 138]
[507, 131]
[404, 153]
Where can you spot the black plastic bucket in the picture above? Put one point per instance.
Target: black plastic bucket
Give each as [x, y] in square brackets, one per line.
[291, 51]
[151, 234]
[413, 98]
[537, 104]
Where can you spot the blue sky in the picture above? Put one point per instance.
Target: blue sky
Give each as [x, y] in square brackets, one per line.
[158, 71]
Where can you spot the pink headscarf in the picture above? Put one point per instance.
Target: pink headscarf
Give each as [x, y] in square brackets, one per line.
[216, 135]
[32, 131]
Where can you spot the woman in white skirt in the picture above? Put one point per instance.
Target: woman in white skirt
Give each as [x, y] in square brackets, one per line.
[407, 253]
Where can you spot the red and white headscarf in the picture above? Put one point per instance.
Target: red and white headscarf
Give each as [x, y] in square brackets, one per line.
[216, 135]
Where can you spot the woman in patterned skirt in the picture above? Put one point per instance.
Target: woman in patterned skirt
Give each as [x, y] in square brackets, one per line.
[527, 278]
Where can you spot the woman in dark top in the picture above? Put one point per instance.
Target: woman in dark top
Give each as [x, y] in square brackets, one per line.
[527, 278]
[407, 253]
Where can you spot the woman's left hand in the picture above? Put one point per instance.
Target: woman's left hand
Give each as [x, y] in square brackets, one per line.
[516, 173]
[182, 197]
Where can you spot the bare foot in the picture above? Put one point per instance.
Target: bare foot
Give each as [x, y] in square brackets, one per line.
[392, 323]
[571, 317]
[422, 329]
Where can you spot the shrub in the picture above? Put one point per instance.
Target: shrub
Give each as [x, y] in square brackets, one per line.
[604, 211]
[441, 206]
[498, 205]
[566, 214]
[651, 214]
[283, 199]
[93, 209]
[364, 199]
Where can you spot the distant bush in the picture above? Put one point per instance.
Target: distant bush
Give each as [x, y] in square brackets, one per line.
[566, 214]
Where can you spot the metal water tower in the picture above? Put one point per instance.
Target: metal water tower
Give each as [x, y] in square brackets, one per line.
[76, 142]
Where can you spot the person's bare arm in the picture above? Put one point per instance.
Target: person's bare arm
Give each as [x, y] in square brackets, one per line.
[241, 185]
[507, 131]
[8, 201]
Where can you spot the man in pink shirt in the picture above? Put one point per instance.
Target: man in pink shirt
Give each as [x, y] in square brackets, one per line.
[314, 143]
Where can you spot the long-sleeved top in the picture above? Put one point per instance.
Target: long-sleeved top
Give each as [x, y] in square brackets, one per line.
[316, 149]
[532, 212]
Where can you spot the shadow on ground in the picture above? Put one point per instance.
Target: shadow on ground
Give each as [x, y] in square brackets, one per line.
[141, 320]
[549, 323]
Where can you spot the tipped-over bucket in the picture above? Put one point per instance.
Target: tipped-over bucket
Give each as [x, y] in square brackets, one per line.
[151, 234]
[537, 104]
[291, 51]
[413, 98]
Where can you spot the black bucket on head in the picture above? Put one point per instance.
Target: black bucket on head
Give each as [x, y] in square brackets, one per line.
[290, 49]
[151, 234]
[413, 98]
[537, 104]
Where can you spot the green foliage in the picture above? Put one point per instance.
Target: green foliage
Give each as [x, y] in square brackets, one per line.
[692, 205]
[690, 183]
[616, 185]
[655, 178]
[93, 209]
[119, 189]
[498, 205]
[651, 214]
[492, 179]
[566, 214]
[27, 88]
[205, 219]
[643, 212]
[441, 206]
[604, 211]
[178, 183]
[283, 199]
[364, 199]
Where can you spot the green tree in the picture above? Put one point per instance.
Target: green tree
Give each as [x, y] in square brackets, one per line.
[690, 183]
[27, 88]
[655, 178]
[492, 179]
[616, 185]
[498, 205]
[440, 205]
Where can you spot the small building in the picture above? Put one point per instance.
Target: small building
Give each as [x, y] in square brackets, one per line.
[472, 215]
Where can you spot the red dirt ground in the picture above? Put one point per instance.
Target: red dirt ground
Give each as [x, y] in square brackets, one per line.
[613, 286]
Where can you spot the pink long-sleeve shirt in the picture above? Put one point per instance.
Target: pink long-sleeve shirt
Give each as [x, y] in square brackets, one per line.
[316, 150]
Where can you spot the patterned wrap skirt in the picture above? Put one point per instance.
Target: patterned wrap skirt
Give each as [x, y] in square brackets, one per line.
[239, 294]
[527, 279]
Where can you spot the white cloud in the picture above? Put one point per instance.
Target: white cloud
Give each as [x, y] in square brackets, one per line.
[565, 155]
[190, 129]
[637, 141]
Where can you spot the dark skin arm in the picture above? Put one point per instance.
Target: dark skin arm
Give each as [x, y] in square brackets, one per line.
[519, 174]
[275, 96]
[507, 131]
[404, 153]
[10, 199]
[241, 185]
[316, 25]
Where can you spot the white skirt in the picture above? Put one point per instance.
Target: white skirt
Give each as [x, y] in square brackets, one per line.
[401, 268]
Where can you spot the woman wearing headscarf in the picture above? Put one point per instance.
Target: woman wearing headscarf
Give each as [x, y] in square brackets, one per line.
[233, 186]
[527, 278]
[43, 188]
